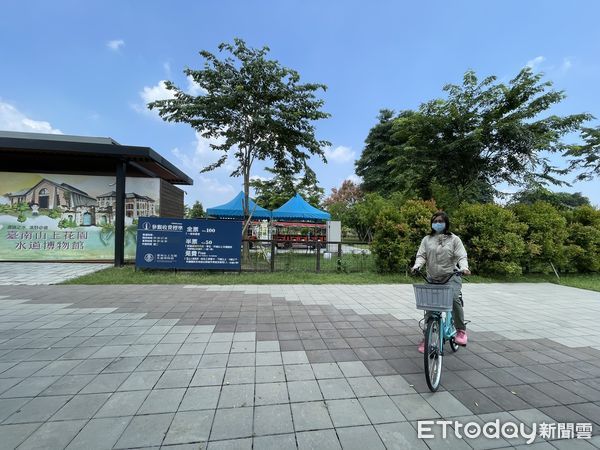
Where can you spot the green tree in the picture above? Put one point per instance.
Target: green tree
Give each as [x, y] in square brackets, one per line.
[560, 200]
[253, 105]
[196, 211]
[283, 185]
[544, 238]
[583, 240]
[482, 134]
[586, 155]
[341, 201]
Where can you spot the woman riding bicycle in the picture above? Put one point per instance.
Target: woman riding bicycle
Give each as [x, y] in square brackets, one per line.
[441, 251]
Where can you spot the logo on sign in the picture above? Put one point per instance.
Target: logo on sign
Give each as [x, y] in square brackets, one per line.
[146, 226]
[148, 257]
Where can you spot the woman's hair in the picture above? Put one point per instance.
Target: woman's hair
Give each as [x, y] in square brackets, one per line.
[444, 216]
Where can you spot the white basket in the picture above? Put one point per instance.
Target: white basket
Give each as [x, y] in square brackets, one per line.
[434, 297]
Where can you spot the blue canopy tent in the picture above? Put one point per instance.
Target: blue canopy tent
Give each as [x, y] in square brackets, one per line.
[234, 209]
[296, 208]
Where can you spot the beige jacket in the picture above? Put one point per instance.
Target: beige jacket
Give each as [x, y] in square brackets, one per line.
[441, 253]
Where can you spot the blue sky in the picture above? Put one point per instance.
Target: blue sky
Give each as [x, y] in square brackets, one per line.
[88, 67]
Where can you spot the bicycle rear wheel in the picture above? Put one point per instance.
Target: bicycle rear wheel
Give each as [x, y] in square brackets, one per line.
[433, 354]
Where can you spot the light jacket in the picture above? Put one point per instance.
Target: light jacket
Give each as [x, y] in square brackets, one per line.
[441, 253]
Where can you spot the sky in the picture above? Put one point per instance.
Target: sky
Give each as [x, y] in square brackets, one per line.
[88, 68]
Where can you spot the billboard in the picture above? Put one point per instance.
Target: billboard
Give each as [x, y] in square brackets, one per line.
[189, 244]
[50, 217]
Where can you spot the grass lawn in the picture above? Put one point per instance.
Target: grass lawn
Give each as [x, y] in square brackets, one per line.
[127, 275]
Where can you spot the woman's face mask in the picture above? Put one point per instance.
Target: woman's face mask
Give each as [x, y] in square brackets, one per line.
[438, 227]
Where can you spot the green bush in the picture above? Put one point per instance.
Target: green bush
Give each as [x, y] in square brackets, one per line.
[398, 233]
[545, 236]
[582, 244]
[22, 218]
[492, 236]
[389, 242]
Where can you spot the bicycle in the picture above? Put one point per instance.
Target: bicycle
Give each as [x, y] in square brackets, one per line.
[436, 298]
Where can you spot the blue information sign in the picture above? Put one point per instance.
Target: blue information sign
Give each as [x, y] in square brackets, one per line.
[188, 244]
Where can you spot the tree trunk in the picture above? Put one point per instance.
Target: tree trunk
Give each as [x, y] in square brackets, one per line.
[246, 246]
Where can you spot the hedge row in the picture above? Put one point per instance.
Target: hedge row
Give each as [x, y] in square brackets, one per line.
[499, 240]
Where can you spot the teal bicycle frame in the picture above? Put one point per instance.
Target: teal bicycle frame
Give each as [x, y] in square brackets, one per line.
[441, 324]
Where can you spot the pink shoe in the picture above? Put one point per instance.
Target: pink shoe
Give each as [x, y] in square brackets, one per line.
[421, 347]
[461, 337]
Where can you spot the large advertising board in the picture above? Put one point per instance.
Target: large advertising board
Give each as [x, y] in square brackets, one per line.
[50, 217]
[189, 244]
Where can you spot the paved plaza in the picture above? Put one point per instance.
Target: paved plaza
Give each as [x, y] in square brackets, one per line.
[29, 273]
[285, 367]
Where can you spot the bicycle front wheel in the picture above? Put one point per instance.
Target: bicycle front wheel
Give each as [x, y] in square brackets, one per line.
[433, 354]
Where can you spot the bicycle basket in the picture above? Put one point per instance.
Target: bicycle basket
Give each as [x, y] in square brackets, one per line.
[432, 297]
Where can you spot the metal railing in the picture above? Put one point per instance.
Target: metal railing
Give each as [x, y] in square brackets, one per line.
[307, 256]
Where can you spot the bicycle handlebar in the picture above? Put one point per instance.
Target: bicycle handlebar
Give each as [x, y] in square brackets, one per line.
[456, 272]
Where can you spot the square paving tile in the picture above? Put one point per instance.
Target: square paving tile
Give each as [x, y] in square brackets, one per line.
[270, 374]
[232, 423]
[100, 433]
[81, 407]
[198, 398]
[304, 391]
[148, 431]
[275, 442]
[381, 410]
[360, 438]
[123, 404]
[271, 393]
[310, 416]
[236, 396]
[365, 386]
[321, 439]
[400, 436]
[162, 401]
[346, 413]
[53, 435]
[272, 419]
[190, 426]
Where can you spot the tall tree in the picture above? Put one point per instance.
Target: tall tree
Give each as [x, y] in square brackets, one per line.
[560, 200]
[341, 202]
[349, 193]
[196, 211]
[587, 155]
[254, 106]
[275, 191]
[483, 134]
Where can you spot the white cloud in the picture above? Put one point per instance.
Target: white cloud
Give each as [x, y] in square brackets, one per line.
[115, 44]
[201, 155]
[167, 67]
[535, 62]
[211, 184]
[194, 88]
[160, 92]
[354, 178]
[157, 92]
[340, 154]
[11, 119]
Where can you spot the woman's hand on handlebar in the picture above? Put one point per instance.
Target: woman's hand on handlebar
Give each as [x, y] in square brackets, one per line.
[466, 272]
